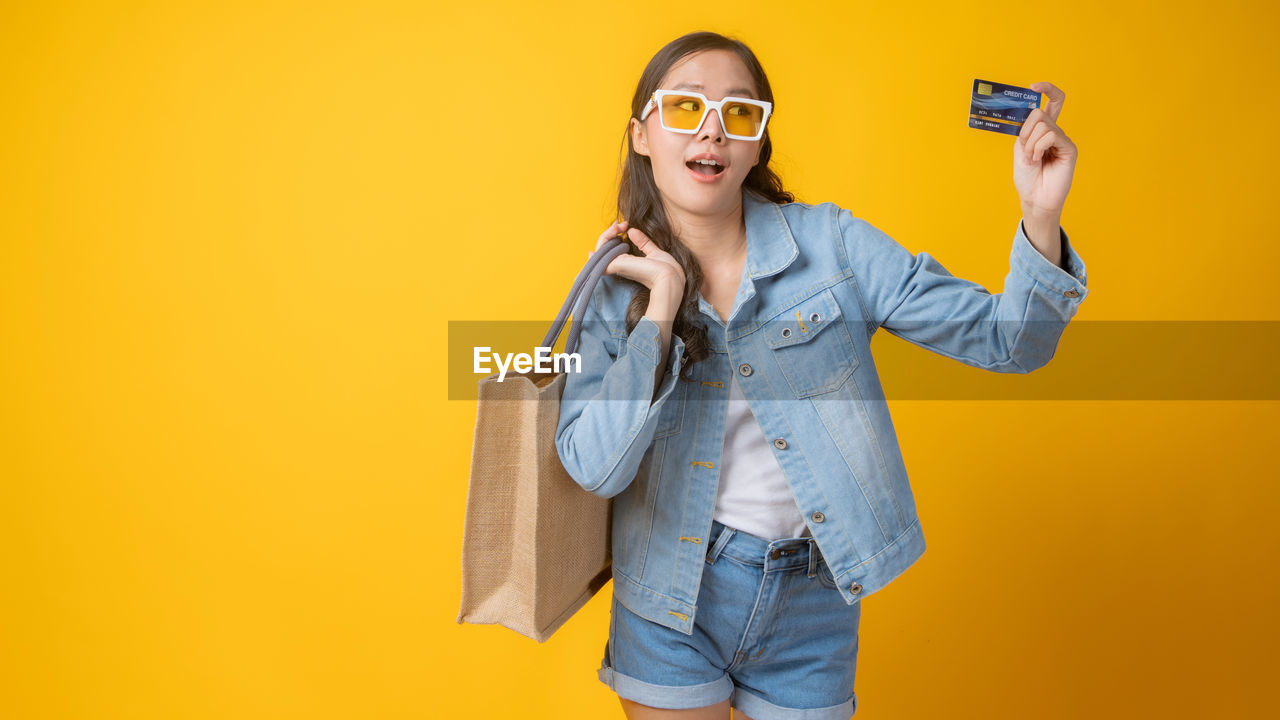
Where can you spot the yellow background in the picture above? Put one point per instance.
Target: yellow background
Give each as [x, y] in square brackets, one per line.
[233, 235]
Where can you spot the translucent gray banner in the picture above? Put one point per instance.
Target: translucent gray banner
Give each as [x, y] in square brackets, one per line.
[1094, 360]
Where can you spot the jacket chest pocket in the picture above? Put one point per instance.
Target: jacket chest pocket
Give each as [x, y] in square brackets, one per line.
[812, 345]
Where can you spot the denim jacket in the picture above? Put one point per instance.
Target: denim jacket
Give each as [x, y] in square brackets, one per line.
[816, 285]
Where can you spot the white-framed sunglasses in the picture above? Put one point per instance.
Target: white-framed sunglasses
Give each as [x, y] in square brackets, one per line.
[682, 111]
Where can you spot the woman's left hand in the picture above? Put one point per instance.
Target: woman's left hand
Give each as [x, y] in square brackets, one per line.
[1044, 158]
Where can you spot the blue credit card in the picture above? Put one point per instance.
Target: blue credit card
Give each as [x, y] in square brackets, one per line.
[1001, 108]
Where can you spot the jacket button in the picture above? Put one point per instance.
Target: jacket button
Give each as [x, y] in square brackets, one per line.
[786, 332]
[855, 588]
[817, 517]
[815, 318]
[780, 444]
[745, 369]
[1071, 293]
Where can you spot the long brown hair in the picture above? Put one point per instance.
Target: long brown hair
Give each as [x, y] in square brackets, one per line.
[640, 203]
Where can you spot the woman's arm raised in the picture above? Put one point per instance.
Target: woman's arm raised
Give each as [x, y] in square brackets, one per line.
[609, 411]
[1044, 160]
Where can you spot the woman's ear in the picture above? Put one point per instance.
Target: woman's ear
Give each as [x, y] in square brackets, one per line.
[639, 139]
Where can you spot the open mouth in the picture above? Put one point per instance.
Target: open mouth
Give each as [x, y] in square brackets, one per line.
[705, 167]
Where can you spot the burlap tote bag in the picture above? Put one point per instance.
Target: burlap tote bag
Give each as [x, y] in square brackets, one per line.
[535, 546]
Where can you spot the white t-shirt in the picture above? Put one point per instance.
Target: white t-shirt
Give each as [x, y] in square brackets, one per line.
[753, 495]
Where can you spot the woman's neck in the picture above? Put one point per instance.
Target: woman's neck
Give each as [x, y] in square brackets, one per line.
[715, 240]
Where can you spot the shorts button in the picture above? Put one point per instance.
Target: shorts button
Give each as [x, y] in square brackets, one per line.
[818, 517]
[745, 369]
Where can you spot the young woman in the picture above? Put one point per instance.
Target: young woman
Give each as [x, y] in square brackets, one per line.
[728, 401]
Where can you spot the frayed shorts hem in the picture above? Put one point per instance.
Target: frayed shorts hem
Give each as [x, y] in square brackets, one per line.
[685, 697]
[670, 697]
[760, 709]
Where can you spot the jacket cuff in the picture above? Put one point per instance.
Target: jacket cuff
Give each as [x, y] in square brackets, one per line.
[1070, 284]
[646, 339]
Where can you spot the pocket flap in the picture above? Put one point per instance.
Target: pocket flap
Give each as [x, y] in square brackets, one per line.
[803, 322]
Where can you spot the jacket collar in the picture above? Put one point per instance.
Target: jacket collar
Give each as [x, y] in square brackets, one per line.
[770, 245]
[770, 249]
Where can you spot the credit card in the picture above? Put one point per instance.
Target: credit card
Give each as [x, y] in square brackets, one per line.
[1001, 108]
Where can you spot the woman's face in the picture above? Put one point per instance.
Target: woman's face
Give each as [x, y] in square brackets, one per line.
[714, 73]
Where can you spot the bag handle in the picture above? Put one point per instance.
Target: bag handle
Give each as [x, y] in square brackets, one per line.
[580, 294]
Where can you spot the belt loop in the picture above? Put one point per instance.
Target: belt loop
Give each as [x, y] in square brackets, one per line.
[720, 543]
[813, 557]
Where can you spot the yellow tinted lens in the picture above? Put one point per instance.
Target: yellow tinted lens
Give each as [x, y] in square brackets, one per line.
[742, 118]
[682, 112]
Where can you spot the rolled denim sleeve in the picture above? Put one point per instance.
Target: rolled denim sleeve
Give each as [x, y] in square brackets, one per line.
[915, 298]
[607, 419]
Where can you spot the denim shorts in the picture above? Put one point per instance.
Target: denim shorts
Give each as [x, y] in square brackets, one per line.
[772, 632]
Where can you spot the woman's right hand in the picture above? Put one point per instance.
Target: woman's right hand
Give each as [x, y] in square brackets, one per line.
[657, 270]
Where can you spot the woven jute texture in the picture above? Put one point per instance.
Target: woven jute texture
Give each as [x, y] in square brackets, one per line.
[535, 546]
